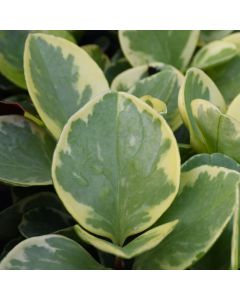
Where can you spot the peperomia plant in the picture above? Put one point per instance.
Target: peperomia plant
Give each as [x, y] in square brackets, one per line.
[110, 148]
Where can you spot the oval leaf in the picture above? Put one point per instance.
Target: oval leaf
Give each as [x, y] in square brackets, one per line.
[116, 166]
[25, 152]
[204, 205]
[167, 46]
[61, 78]
[213, 54]
[49, 252]
[11, 52]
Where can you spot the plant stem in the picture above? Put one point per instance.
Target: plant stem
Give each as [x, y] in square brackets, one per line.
[119, 263]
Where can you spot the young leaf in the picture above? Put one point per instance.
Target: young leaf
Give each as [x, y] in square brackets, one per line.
[139, 245]
[164, 85]
[61, 78]
[204, 205]
[116, 166]
[49, 252]
[197, 85]
[155, 103]
[125, 80]
[220, 131]
[25, 152]
[166, 46]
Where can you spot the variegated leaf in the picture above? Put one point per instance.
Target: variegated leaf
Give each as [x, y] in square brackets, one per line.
[116, 178]
[139, 245]
[214, 54]
[11, 52]
[49, 252]
[166, 46]
[26, 151]
[220, 132]
[226, 76]
[61, 78]
[204, 205]
[197, 85]
[164, 85]
[127, 79]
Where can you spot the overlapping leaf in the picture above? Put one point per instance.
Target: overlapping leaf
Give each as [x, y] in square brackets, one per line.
[11, 52]
[61, 78]
[49, 252]
[198, 85]
[26, 151]
[166, 46]
[204, 205]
